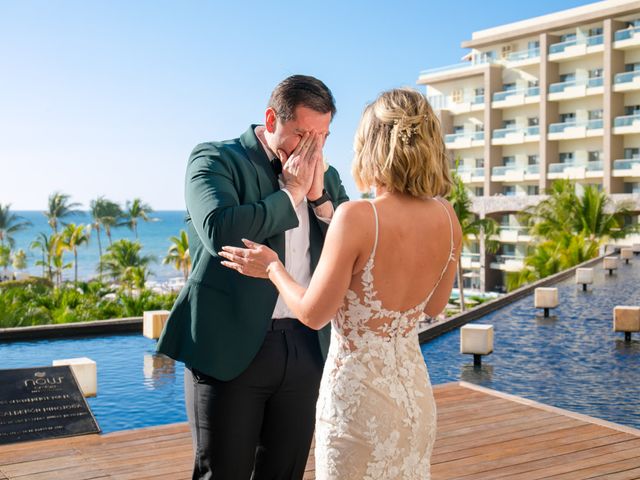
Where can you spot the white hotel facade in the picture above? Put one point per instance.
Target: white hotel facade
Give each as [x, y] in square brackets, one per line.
[556, 96]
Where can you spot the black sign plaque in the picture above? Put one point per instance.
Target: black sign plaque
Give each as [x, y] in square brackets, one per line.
[39, 403]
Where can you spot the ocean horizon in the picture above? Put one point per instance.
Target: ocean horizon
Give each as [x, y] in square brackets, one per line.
[154, 237]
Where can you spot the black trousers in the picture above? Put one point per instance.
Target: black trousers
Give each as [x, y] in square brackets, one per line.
[259, 425]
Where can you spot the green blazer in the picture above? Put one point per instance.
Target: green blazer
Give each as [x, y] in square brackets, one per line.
[220, 318]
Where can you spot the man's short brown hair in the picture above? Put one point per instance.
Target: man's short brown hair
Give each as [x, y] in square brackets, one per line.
[301, 90]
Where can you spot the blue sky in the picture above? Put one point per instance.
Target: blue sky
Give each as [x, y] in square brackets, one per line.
[109, 97]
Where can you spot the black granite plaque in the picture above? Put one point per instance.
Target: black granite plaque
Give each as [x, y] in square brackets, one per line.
[39, 403]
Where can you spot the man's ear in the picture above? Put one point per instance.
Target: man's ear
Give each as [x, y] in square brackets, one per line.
[270, 119]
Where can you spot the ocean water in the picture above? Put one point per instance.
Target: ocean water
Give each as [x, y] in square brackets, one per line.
[154, 237]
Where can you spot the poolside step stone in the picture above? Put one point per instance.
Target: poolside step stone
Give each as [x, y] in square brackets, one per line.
[626, 254]
[626, 319]
[610, 263]
[86, 372]
[584, 277]
[477, 340]
[546, 298]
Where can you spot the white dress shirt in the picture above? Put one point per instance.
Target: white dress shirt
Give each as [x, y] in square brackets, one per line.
[297, 258]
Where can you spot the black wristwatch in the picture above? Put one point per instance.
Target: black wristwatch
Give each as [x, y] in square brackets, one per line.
[325, 197]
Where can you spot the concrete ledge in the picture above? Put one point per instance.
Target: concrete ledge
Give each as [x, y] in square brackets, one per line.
[79, 329]
[463, 318]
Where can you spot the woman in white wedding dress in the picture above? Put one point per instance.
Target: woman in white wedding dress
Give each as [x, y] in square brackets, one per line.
[385, 264]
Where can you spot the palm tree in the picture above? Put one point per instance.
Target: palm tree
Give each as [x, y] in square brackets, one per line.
[136, 210]
[19, 260]
[57, 247]
[5, 258]
[125, 263]
[73, 237]
[43, 243]
[105, 214]
[10, 223]
[471, 225]
[59, 207]
[178, 254]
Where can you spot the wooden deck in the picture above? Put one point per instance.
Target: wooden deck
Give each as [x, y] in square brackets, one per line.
[482, 434]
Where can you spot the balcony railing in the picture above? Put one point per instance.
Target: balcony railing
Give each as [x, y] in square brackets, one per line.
[523, 55]
[503, 132]
[458, 66]
[562, 86]
[475, 257]
[452, 137]
[528, 92]
[625, 163]
[593, 166]
[474, 171]
[626, 77]
[562, 126]
[590, 41]
[503, 170]
[532, 169]
[477, 99]
[626, 120]
[505, 258]
[626, 34]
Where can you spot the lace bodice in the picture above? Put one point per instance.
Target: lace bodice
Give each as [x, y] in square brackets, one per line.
[360, 317]
[376, 415]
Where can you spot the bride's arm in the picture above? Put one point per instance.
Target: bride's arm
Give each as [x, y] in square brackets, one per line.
[316, 305]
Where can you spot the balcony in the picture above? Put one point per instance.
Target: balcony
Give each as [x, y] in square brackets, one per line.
[569, 130]
[626, 81]
[458, 70]
[514, 98]
[523, 57]
[626, 124]
[513, 234]
[575, 170]
[515, 136]
[470, 174]
[576, 88]
[626, 167]
[514, 173]
[576, 47]
[467, 104]
[470, 260]
[464, 140]
[627, 38]
[508, 263]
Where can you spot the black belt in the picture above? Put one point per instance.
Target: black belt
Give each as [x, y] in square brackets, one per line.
[278, 324]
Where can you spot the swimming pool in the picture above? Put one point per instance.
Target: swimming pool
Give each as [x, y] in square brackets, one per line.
[571, 360]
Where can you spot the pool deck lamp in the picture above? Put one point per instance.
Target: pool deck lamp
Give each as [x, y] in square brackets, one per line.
[476, 340]
[546, 298]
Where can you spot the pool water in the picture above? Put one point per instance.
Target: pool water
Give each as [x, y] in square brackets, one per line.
[136, 387]
[571, 360]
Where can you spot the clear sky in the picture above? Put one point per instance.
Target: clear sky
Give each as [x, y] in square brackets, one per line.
[109, 97]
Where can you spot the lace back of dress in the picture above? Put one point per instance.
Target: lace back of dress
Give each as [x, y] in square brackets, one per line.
[363, 311]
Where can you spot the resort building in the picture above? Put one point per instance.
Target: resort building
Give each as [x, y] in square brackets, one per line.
[556, 96]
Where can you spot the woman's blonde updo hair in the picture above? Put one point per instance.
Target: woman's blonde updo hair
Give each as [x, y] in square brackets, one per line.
[399, 146]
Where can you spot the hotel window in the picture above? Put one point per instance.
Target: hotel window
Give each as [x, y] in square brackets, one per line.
[458, 129]
[567, 77]
[631, 187]
[533, 190]
[595, 156]
[631, 67]
[479, 128]
[595, 31]
[508, 124]
[596, 73]
[457, 96]
[631, 153]
[533, 121]
[567, 117]
[509, 190]
[566, 157]
[533, 160]
[632, 110]
[479, 191]
[567, 37]
[533, 44]
[595, 114]
[509, 161]
[479, 162]
[507, 87]
[506, 50]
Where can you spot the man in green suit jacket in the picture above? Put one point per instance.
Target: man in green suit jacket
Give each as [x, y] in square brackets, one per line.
[253, 372]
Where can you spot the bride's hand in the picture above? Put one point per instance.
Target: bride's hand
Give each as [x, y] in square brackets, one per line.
[253, 261]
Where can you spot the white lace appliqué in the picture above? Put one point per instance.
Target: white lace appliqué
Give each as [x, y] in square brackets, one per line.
[376, 415]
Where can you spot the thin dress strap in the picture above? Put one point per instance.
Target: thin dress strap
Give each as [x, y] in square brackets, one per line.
[375, 243]
[451, 256]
